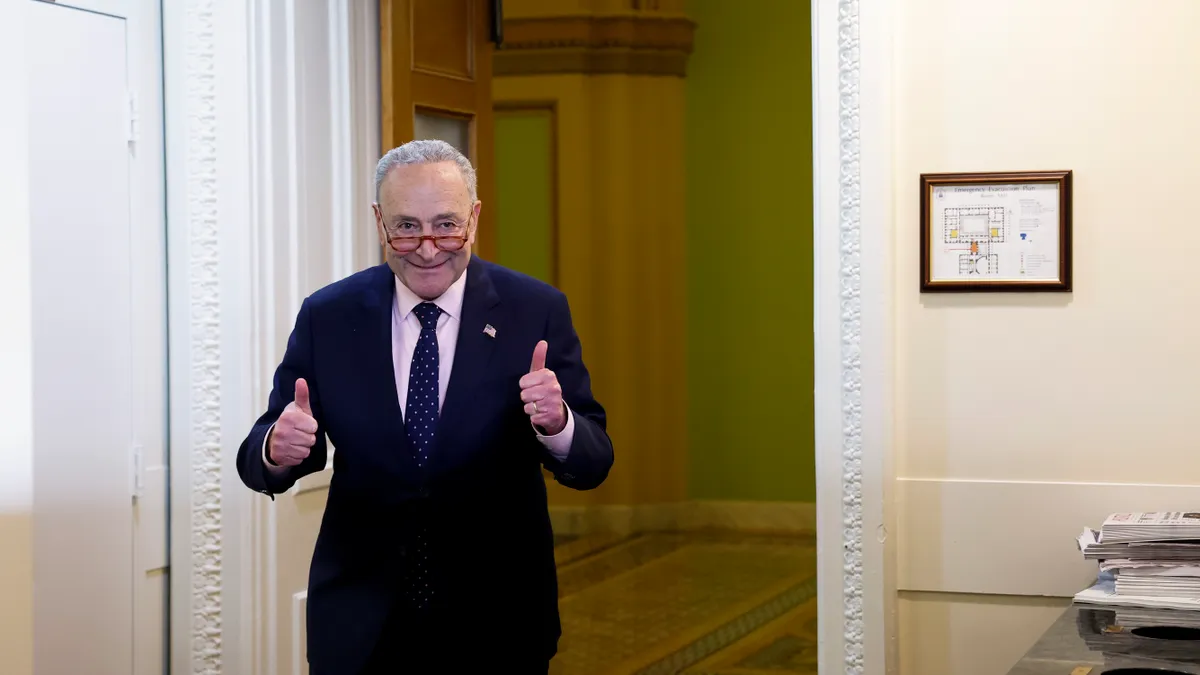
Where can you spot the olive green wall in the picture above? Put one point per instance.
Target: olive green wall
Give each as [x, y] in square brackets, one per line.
[524, 192]
[749, 248]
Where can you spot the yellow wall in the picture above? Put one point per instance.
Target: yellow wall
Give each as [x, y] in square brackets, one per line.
[749, 249]
[619, 152]
[1052, 407]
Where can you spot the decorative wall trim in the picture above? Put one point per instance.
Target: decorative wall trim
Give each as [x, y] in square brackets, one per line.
[854, 340]
[204, 291]
[631, 44]
[233, 176]
[851, 334]
[206, 84]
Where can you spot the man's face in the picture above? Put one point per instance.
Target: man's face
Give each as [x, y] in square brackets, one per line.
[426, 199]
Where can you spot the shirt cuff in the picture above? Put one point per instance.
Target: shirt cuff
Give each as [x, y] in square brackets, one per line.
[559, 444]
[273, 468]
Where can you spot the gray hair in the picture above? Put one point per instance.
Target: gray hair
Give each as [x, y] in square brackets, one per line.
[425, 152]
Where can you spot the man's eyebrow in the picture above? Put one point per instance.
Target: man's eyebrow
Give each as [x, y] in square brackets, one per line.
[449, 215]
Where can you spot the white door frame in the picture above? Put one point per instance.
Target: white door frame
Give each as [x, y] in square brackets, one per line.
[218, 622]
[223, 65]
[853, 301]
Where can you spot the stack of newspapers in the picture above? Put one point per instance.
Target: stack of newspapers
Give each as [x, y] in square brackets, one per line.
[1146, 560]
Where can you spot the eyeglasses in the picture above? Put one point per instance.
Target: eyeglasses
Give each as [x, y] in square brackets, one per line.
[450, 235]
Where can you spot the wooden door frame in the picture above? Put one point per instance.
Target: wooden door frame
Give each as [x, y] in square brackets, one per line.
[395, 87]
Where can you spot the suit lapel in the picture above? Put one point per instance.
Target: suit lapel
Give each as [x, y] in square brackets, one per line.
[474, 349]
[380, 375]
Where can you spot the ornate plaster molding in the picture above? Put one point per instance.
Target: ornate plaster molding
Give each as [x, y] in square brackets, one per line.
[850, 227]
[634, 44]
[204, 293]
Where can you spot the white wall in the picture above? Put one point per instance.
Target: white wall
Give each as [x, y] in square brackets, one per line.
[1053, 408]
[16, 356]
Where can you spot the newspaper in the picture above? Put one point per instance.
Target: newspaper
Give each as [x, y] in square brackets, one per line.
[1123, 528]
[1089, 544]
[1147, 560]
[1104, 592]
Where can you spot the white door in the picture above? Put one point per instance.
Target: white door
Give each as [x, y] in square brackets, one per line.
[99, 336]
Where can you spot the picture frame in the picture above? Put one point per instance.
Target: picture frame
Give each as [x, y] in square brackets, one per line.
[1007, 231]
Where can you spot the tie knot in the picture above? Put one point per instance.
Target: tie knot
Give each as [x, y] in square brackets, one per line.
[428, 313]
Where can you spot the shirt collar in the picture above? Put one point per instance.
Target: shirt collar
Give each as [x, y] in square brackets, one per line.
[450, 302]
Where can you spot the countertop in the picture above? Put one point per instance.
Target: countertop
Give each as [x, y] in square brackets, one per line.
[1116, 641]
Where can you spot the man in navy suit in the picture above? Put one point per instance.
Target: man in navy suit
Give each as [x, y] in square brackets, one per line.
[445, 383]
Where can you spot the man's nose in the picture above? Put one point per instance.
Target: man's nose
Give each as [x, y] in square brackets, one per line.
[427, 250]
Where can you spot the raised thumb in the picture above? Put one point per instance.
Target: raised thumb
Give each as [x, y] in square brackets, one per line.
[302, 396]
[539, 357]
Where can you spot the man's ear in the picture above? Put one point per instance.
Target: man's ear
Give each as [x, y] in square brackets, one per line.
[379, 224]
[475, 230]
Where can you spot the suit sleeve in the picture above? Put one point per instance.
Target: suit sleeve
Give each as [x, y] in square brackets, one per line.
[591, 455]
[297, 363]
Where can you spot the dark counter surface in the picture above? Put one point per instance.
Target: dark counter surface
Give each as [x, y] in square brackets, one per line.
[1116, 641]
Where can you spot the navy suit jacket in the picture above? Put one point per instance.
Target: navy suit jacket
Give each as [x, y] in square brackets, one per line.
[481, 500]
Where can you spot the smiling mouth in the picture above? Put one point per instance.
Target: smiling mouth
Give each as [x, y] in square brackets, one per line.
[429, 267]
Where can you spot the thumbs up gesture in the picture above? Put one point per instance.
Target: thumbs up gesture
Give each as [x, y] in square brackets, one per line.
[295, 432]
[542, 394]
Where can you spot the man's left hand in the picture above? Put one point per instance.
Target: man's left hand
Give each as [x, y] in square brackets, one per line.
[543, 395]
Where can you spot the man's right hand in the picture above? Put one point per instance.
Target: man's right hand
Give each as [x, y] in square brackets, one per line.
[295, 432]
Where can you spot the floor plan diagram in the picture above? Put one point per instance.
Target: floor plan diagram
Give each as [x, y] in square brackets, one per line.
[996, 232]
[973, 230]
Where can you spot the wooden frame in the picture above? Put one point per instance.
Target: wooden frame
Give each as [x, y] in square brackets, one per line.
[987, 260]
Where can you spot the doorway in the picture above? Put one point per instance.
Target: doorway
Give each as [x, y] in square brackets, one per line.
[99, 336]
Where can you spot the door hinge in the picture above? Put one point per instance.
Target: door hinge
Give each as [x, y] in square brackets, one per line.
[131, 109]
[138, 482]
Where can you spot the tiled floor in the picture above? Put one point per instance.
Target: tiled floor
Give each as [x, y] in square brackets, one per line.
[694, 604]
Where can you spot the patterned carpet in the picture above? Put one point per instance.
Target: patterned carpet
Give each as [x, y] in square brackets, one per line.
[692, 604]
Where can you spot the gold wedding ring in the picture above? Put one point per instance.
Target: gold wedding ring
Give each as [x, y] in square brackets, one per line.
[535, 410]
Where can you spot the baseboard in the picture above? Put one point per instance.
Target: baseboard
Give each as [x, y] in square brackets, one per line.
[776, 517]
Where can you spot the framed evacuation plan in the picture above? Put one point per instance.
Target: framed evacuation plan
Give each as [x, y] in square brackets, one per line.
[1007, 232]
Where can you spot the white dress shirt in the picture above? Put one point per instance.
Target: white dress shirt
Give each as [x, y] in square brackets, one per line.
[406, 329]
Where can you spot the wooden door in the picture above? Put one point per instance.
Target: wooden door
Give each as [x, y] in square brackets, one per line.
[436, 72]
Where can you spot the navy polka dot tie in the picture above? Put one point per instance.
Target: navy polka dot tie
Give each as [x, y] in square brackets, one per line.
[420, 421]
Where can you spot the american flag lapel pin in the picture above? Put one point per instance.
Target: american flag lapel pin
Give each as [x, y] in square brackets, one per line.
[489, 331]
